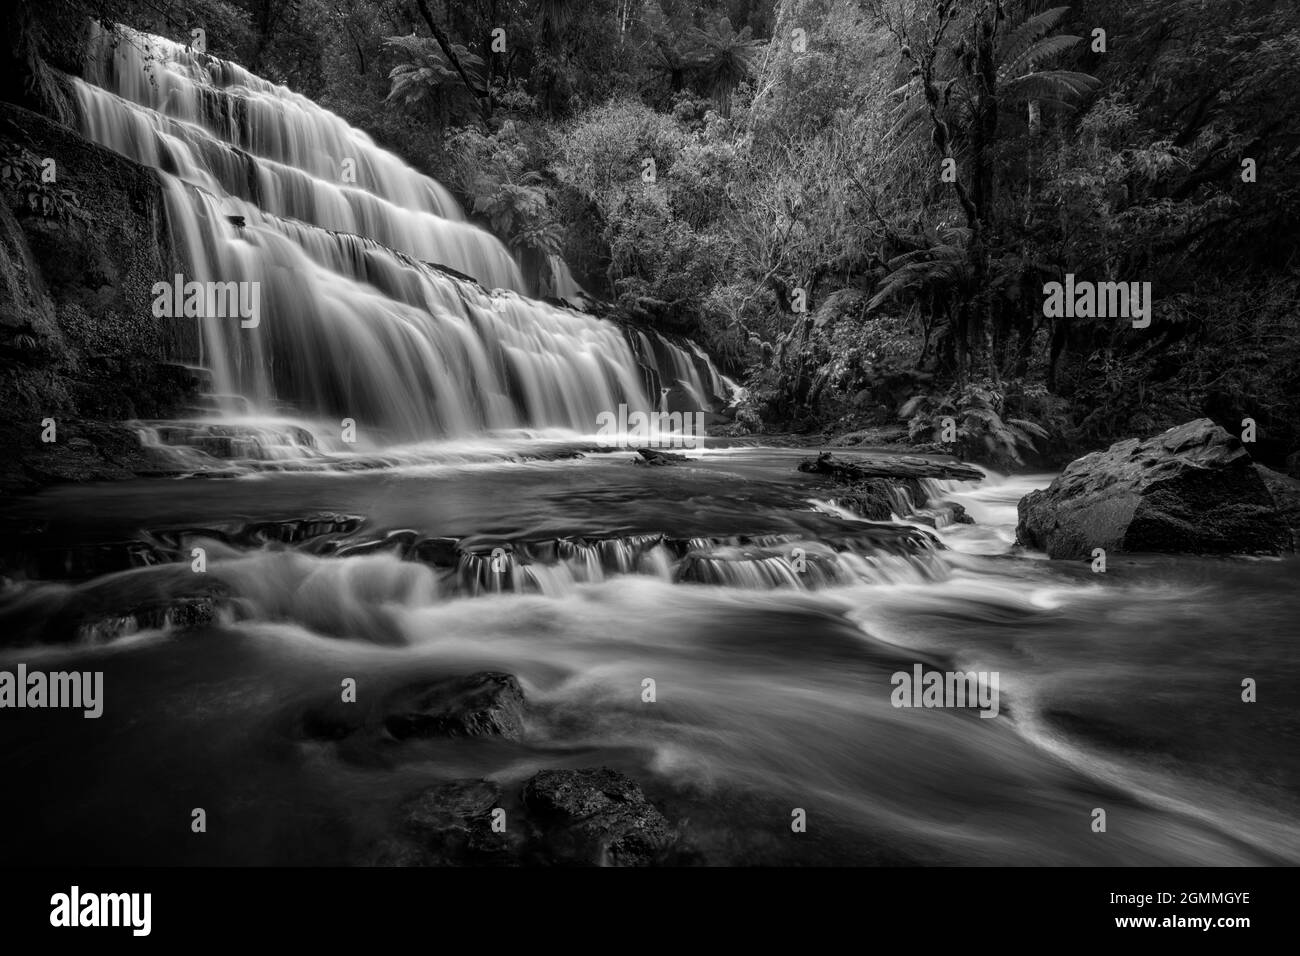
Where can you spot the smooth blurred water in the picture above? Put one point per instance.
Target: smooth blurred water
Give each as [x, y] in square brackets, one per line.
[1118, 691]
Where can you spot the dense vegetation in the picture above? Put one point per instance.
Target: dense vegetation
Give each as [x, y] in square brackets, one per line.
[853, 204]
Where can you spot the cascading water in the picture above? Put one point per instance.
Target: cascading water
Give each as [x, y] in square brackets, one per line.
[263, 186]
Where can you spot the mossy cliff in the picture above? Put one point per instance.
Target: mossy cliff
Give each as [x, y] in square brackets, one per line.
[78, 341]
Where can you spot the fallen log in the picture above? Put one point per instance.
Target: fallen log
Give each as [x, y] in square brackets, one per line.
[888, 466]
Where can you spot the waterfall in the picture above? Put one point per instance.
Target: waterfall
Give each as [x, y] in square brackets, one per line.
[355, 255]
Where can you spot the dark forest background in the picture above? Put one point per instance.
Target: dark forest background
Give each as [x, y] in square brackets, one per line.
[799, 224]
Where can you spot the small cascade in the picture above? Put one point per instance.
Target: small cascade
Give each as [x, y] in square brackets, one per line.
[196, 444]
[475, 566]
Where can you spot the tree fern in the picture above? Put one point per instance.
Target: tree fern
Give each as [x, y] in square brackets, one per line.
[1019, 56]
[723, 58]
[1013, 51]
[1055, 86]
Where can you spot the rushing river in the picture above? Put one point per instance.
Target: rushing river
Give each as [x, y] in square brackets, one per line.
[1119, 691]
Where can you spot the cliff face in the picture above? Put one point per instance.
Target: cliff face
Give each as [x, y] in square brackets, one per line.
[78, 340]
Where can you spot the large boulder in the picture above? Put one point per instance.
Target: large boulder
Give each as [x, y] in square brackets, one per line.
[1192, 489]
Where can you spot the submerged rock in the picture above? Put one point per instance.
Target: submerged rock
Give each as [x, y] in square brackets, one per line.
[484, 704]
[487, 704]
[1193, 488]
[31, 550]
[653, 456]
[957, 513]
[935, 513]
[596, 817]
[108, 610]
[178, 614]
[588, 817]
[438, 552]
[451, 825]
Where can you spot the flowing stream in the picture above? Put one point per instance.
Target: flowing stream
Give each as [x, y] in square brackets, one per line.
[1118, 692]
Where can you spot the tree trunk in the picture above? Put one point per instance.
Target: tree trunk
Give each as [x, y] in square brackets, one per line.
[984, 135]
[484, 100]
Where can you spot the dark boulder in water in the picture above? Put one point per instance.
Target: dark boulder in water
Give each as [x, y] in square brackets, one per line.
[1192, 489]
[653, 456]
[484, 704]
[597, 817]
[438, 552]
[107, 610]
[487, 704]
[176, 614]
[957, 512]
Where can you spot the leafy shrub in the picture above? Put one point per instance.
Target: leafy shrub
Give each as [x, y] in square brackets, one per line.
[979, 430]
[20, 173]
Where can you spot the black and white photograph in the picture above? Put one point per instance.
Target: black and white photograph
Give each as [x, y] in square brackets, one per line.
[444, 437]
